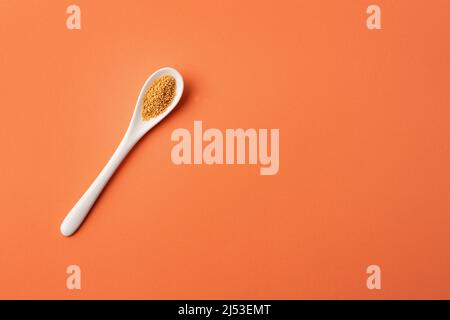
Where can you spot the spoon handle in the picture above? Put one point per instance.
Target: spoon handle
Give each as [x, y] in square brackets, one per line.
[75, 217]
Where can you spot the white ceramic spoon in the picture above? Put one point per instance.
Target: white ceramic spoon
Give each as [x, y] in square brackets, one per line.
[137, 128]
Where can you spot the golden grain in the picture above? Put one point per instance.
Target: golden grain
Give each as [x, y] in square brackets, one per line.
[158, 97]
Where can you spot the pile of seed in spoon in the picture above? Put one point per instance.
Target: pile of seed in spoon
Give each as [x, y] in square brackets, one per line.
[158, 97]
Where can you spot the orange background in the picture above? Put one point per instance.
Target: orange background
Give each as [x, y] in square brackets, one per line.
[364, 150]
